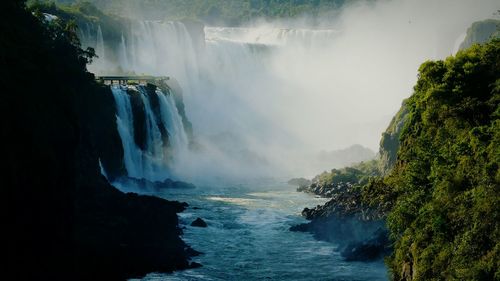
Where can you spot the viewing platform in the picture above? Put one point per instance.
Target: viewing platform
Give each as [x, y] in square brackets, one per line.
[130, 79]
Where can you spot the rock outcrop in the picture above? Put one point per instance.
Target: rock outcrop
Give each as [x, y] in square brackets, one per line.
[64, 220]
[389, 143]
[199, 222]
[346, 219]
[375, 247]
[481, 32]
[152, 186]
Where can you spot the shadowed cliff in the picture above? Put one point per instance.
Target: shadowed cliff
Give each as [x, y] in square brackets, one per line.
[64, 220]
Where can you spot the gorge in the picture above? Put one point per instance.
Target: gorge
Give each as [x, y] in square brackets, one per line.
[98, 172]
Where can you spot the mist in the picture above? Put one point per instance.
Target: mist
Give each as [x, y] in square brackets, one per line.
[266, 98]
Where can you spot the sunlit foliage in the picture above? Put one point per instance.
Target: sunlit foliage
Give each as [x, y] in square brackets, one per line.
[445, 185]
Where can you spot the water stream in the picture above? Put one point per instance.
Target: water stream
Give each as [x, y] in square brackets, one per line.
[247, 237]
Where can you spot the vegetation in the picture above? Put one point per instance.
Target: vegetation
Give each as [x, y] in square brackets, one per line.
[481, 32]
[228, 12]
[440, 185]
[62, 216]
[358, 174]
[389, 144]
[84, 14]
[445, 187]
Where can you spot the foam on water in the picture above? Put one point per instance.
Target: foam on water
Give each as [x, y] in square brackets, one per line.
[247, 238]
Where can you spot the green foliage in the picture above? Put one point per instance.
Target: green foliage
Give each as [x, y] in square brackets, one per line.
[444, 188]
[481, 32]
[357, 174]
[228, 12]
[83, 13]
[389, 143]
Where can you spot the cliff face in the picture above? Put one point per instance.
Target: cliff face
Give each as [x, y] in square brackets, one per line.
[346, 219]
[439, 176]
[97, 108]
[389, 143]
[440, 199]
[481, 32]
[63, 219]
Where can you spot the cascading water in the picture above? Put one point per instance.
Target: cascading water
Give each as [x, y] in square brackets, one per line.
[266, 100]
[123, 54]
[153, 154]
[101, 63]
[154, 160]
[132, 156]
[100, 44]
[272, 36]
[225, 83]
[171, 118]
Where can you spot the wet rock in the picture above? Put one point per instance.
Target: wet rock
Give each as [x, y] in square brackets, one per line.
[374, 248]
[195, 265]
[192, 252]
[198, 222]
[303, 227]
[147, 185]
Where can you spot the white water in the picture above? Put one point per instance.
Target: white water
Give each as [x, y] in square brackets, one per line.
[153, 162]
[313, 38]
[101, 62]
[225, 83]
[123, 56]
[132, 156]
[265, 100]
[247, 237]
[171, 118]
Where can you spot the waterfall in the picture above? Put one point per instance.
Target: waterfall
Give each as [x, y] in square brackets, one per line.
[272, 36]
[260, 98]
[99, 66]
[100, 44]
[172, 119]
[161, 48]
[230, 85]
[124, 63]
[89, 34]
[132, 157]
[86, 37]
[154, 161]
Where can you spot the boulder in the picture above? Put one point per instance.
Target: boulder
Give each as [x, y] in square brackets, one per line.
[195, 265]
[198, 222]
[374, 248]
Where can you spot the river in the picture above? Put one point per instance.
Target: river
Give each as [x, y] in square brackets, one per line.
[247, 237]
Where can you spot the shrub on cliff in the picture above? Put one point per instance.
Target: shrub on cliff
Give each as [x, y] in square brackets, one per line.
[445, 186]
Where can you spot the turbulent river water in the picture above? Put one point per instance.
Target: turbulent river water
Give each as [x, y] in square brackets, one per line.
[247, 237]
